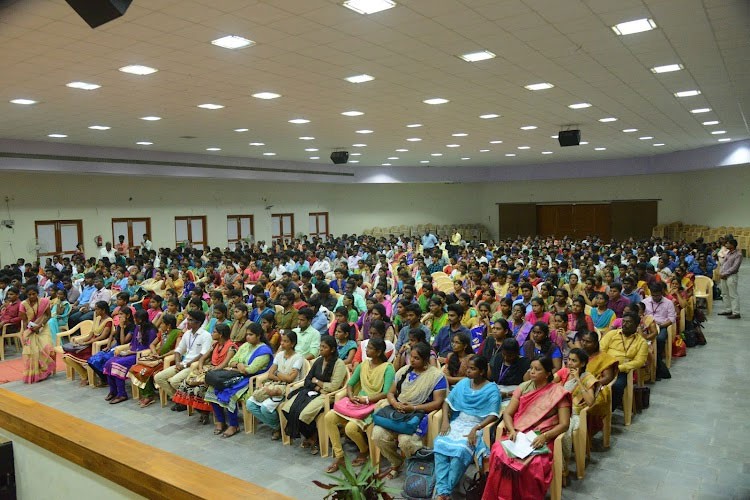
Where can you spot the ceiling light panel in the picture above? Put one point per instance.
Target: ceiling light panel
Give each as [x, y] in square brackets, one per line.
[359, 78]
[366, 7]
[632, 27]
[151, 118]
[99, 127]
[539, 86]
[608, 119]
[700, 110]
[232, 42]
[489, 116]
[687, 93]
[267, 95]
[482, 55]
[83, 85]
[580, 105]
[352, 113]
[299, 121]
[436, 100]
[668, 68]
[23, 102]
[137, 69]
[210, 106]
[529, 127]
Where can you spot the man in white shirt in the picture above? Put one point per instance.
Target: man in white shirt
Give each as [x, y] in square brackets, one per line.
[195, 343]
[322, 264]
[277, 271]
[146, 243]
[108, 252]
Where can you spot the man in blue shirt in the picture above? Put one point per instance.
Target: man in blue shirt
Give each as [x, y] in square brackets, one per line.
[442, 342]
[629, 291]
[429, 240]
[526, 292]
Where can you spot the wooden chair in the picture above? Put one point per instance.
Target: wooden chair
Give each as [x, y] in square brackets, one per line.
[90, 375]
[16, 337]
[82, 329]
[704, 289]
[168, 361]
[627, 399]
[671, 334]
[248, 419]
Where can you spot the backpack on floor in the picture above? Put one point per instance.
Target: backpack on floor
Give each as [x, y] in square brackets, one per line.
[419, 480]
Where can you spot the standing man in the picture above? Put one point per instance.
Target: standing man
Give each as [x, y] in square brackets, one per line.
[729, 278]
[146, 243]
[455, 242]
[664, 315]
[429, 240]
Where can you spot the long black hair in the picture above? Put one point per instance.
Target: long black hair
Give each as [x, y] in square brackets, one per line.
[379, 345]
[424, 352]
[454, 363]
[144, 326]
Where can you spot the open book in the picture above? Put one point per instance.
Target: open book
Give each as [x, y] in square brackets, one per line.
[521, 447]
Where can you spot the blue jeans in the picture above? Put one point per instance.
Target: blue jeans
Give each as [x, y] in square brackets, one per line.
[233, 417]
[448, 473]
[271, 419]
[618, 389]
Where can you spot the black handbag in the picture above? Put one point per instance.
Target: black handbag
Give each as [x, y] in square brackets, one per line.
[221, 379]
[474, 486]
[72, 348]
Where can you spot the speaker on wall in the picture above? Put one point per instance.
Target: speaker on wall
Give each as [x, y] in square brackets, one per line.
[340, 157]
[98, 12]
[569, 137]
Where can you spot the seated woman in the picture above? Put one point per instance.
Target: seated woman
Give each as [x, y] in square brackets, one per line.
[582, 387]
[39, 357]
[600, 315]
[116, 369]
[539, 345]
[537, 405]
[141, 374]
[457, 362]
[369, 383]
[155, 311]
[573, 287]
[603, 367]
[519, 327]
[253, 358]
[578, 320]
[193, 388]
[341, 315]
[122, 335]
[239, 325]
[377, 330]
[366, 317]
[60, 314]
[346, 347]
[419, 387]
[154, 284]
[270, 332]
[303, 405]
[415, 336]
[559, 334]
[436, 317]
[537, 312]
[286, 369]
[490, 348]
[378, 313]
[509, 368]
[472, 405]
[78, 351]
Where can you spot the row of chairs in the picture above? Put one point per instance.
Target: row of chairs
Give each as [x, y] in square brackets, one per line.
[467, 231]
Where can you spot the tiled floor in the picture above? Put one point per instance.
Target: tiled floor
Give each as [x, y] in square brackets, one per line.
[692, 443]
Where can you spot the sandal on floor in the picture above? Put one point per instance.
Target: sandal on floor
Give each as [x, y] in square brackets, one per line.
[204, 419]
[226, 436]
[110, 397]
[219, 430]
[83, 383]
[147, 402]
[314, 449]
[305, 444]
[276, 436]
[118, 399]
[335, 466]
[393, 473]
[360, 460]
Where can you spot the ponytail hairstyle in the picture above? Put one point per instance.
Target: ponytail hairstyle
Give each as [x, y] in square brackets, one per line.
[379, 345]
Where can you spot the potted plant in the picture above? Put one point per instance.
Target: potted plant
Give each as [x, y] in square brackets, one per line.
[368, 484]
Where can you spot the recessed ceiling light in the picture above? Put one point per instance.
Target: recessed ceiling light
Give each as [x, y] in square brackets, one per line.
[241, 129]
[25, 102]
[359, 78]
[144, 143]
[213, 149]
[608, 119]
[266, 95]
[524, 147]
[435, 100]
[352, 113]
[413, 139]
[482, 55]
[393, 158]
[658, 144]
[210, 106]
[257, 144]
[510, 154]
[151, 118]
[668, 68]
[359, 145]
[99, 127]
[466, 158]
[355, 154]
[711, 122]
[554, 136]
[496, 142]
[546, 152]
[311, 149]
[364, 131]
[700, 110]
[385, 164]
[369, 6]
[583, 143]
[269, 154]
[353, 161]
[402, 150]
[529, 127]
[232, 42]
[646, 137]
[452, 145]
[57, 136]
[436, 154]
[137, 69]
[459, 134]
[484, 150]
[718, 132]
[315, 157]
[687, 93]
[489, 116]
[539, 86]
[83, 85]
[725, 139]
[600, 149]
[299, 121]
[307, 138]
[579, 105]
[631, 27]
[424, 161]
[414, 125]
[629, 130]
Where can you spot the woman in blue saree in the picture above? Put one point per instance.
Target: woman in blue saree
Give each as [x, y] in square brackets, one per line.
[60, 314]
[600, 315]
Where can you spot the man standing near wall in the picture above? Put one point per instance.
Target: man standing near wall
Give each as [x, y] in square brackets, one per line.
[729, 278]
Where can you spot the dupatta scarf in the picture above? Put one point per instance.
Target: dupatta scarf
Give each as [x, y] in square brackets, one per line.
[419, 390]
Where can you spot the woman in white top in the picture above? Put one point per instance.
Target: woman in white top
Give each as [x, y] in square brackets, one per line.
[286, 369]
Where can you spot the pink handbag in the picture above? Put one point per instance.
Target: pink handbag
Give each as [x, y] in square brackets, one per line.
[346, 407]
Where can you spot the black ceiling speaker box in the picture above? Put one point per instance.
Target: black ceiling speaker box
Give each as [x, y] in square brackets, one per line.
[339, 157]
[569, 137]
[98, 12]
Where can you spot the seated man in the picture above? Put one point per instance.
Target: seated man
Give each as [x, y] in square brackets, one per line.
[616, 301]
[308, 338]
[664, 316]
[442, 342]
[9, 313]
[629, 349]
[86, 310]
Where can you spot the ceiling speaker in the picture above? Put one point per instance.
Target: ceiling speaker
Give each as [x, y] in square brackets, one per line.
[340, 157]
[569, 137]
[98, 12]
